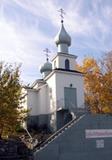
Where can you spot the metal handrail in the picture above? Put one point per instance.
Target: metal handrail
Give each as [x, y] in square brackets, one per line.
[52, 137]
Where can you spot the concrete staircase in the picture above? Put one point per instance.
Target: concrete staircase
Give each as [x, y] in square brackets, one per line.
[58, 133]
[71, 141]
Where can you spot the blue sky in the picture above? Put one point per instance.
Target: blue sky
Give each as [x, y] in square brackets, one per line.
[28, 27]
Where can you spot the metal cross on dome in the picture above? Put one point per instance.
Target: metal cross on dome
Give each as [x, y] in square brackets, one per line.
[62, 13]
[46, 50]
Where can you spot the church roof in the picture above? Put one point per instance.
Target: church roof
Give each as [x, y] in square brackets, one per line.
[63, 37]
[37, 81]
[67, 70]
[64, 70]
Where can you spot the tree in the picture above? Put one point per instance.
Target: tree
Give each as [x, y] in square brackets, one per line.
[98, 83]
[11, 114]
[106, 82]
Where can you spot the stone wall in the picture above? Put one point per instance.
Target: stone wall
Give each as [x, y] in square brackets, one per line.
[14, 149]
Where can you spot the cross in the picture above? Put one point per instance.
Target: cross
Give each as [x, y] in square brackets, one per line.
[46, 50]
[62, 13]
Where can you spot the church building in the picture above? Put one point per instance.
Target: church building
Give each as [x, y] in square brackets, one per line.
[54, 99]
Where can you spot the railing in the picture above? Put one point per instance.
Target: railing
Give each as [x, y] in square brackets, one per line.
[59, 132]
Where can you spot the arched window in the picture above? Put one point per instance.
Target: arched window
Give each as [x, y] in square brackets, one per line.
[67, 65]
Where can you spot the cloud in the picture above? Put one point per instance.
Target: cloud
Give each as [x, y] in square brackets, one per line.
[22, 44]
[27, 27]
[44, 9]
[82, 17]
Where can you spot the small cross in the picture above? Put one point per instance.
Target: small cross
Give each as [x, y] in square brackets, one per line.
[62, 13]
[46, 50]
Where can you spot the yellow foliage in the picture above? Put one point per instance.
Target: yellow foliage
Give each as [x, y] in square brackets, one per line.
[98, 83]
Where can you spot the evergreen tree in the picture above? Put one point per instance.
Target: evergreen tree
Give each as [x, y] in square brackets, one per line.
[11, 111]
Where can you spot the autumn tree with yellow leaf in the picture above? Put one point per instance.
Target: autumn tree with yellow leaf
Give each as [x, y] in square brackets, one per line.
[98, 83]
[10, 96]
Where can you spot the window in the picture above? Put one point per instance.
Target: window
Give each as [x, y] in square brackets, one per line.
[67, 65]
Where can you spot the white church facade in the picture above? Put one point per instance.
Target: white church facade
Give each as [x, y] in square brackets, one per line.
[54, 99]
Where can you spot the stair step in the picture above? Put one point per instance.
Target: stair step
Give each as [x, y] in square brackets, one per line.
[59, 132]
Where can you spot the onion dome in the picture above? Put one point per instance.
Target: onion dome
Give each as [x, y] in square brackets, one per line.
[46, 68]
[62, 37]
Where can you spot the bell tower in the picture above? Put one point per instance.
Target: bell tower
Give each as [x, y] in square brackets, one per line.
[63, 60]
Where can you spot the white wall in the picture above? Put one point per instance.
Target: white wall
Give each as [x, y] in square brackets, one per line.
[60, 62]
[37, 101]
[32, 102]
[64, 80]
[52, 92]
[55, 63]
[44, 100]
